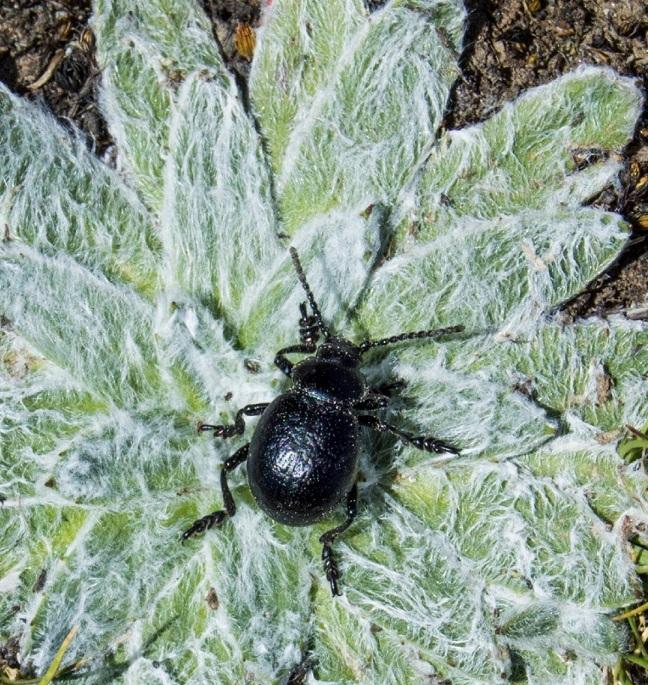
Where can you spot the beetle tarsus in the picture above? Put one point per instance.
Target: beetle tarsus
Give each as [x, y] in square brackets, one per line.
[331, 568]
[429, 444]
[205, 523]
[217, 517]
[284, 363]
[226, 431]
[327, 538]
[236, 428]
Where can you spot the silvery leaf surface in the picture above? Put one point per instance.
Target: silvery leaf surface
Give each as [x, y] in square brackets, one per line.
[143, 64]
[50, 189]
[218, 225]
[189, 147]
[139, 302]
[590, 376]
[351, 129]
[498, 252]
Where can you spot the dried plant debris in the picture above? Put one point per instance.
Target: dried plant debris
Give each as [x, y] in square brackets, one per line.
[135, 297]
[235, 23]
[47, 52]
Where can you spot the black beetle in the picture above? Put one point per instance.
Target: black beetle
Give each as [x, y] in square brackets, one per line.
[302, 460]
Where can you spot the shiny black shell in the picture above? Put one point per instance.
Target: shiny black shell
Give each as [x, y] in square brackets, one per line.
[303, 458]
[328, 381]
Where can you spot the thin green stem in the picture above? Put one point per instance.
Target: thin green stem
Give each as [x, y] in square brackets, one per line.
[637, 637]
[636, 660]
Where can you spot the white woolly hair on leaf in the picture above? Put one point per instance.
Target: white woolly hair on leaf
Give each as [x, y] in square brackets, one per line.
[370, 121]
[56, 196]
[141, 301]
[337, 284]
[224, 188]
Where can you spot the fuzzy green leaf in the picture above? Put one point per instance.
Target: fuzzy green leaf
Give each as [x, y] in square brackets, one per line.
[126, 322]
[493, 273]
[143, 64]
[298, 52]
[104, 337]
[498, 235]
[55, 196]
[371, 108]
[218, 226]
[529, 155]
[590, 371]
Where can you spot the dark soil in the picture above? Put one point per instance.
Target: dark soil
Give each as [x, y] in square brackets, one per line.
[47, 55]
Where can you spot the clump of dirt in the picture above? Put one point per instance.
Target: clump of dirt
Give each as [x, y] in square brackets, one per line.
[512, 46]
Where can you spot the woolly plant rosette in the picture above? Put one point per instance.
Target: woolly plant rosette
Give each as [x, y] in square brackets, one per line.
[132, 298]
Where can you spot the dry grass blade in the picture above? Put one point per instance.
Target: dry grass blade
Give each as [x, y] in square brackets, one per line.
[53, 669]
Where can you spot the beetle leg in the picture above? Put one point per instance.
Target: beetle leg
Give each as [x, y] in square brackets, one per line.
[388, 389]
[378, 396]
[327, 538]
[422, 442]
[217, 517]
[371, 401]
[285, 364]
[238, 426]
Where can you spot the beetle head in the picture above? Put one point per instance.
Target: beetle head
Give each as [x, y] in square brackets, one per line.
[340, 350]
[332, 375]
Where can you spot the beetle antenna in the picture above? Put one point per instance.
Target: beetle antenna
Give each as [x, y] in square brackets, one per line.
[414, 335]
[309, 293]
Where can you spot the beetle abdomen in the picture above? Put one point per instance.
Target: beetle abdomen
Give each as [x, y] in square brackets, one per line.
[303, 459]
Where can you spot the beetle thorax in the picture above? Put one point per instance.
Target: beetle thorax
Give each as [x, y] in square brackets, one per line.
[329, 380]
